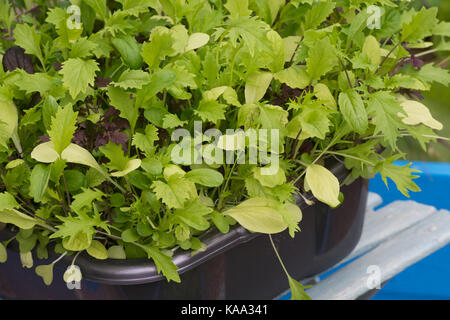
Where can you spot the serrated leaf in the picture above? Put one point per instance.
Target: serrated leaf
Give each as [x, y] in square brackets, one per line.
[86, 198]
[385, 109]
[321, 59]
[78, 74]
[294, 77]
[420, 26]
[401, 175]
[193, 215]
[163, 263]
[62, 128]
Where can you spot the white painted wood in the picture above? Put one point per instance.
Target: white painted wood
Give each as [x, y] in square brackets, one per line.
[391, 257]
[373, 200]
[386, 222]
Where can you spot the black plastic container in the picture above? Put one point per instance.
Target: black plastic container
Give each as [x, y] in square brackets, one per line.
[237, 265]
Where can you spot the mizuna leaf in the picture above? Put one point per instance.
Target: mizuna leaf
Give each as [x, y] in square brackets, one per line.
[323, 184]
[163, 263]
[258, 215]
[420, 26]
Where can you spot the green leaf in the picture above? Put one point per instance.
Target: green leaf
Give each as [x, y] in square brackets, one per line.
[132, 79]
[258, 215]
[321, 59]
[294, 77]
[86, 198]
[238, 8]
[256, 86]
[205, 177]
[78, 74]
[62, 128]
[77, 231]
[125, 103]
[323, 184]
[220, 222]
[118, 160]
[353, 110]
[420, 26]
[99, 6]
[3, 253]
[7, 201]
[39, 181]
[429, 73]
[26, 259]
[97, 250]
[197, 40]
[159, 47]
[175, 192]
[117, 252]
[401, 175]
[146, 142]
[46, 273]
[193, 215]
[17, 218]
[269, 181]
[130, 235]
[130, 51]
[27, 38]
[212, 111]
[319, 12]
[163, 263]
[371, 48]
[386, 109]
[297, 290]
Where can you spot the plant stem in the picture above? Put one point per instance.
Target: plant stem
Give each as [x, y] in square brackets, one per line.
[386, 58]
[278, 255]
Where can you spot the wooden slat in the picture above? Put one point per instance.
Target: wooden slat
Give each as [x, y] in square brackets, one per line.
[373, 200]
[383, 224]
[391, 257]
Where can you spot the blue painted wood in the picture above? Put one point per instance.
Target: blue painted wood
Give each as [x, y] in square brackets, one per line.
[429, 278]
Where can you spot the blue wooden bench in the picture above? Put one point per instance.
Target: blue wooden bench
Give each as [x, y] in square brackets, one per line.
[394, 237]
